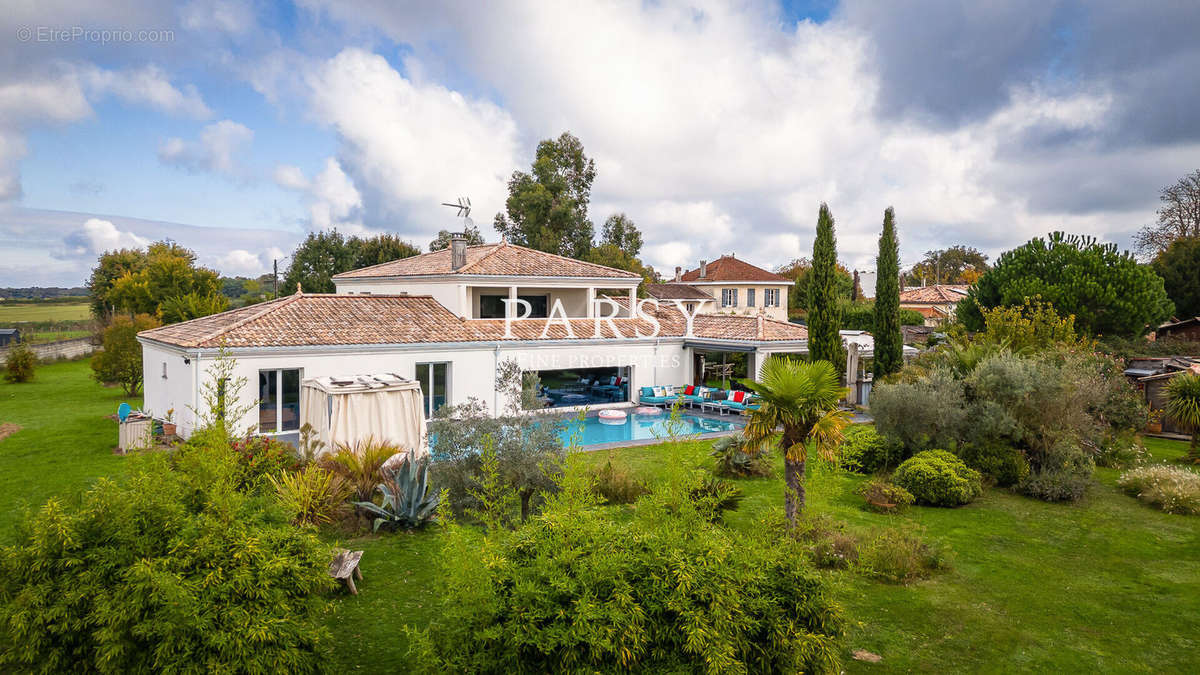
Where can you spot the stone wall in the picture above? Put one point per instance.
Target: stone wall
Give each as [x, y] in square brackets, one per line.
[57, 351]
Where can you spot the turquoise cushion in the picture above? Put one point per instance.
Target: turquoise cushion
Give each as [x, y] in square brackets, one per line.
[647, 391]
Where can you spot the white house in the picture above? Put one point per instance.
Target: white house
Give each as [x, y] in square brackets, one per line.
[434, 318]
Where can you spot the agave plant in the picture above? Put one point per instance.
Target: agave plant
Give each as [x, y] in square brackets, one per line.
[407, 500]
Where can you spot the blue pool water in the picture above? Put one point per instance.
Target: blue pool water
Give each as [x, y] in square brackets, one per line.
[592, 430]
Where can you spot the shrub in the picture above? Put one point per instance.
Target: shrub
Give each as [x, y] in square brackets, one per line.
[1065, 475]
[998, 461]
[120, 358]
[165, 570]
[20, 363]
[617, 485]
[837, 551]
[938, 478]
[261, 456]
[885, 497]
[864, 450]
[1121, 450]
[314, 496]
[901, 555]
[1170, 488]
[922, 414]
[575, 590]
[360, 464]
[715, 496]
[732, 459]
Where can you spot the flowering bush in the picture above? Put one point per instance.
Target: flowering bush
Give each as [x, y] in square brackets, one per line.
[260, 456]
[1170, 488]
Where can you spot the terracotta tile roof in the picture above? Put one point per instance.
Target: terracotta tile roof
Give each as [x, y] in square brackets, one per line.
[729, 268]
[676, 292]
[936, 294]
[308, 319]
[501, 259]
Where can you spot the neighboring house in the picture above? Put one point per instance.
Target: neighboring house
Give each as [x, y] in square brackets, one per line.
[737, 287]
[1187, 329]
[936, 303]
[434, 318]
[9, 336]
[1151, 375]
[694, 300]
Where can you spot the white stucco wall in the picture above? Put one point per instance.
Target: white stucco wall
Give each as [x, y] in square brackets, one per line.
[472, 369]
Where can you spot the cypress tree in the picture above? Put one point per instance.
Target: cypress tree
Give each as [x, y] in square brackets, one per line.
[889, 342]
[824, 308]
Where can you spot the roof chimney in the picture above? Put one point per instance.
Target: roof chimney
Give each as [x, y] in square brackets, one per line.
[458, 252]
[678, 274]
[703, 269]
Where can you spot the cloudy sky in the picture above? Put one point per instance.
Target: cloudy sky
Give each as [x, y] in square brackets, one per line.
[235, 128]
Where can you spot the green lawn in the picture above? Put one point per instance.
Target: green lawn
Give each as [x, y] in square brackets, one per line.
[65, 440]
[11, 312]
[1107, 585]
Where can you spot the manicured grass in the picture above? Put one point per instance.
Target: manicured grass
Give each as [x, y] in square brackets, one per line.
[1105, 585]
[43, 311]
[65, 441]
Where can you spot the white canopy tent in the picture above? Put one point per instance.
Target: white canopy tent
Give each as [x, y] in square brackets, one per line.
[348, 409]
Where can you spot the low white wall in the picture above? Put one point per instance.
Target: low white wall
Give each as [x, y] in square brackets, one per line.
[57, 351]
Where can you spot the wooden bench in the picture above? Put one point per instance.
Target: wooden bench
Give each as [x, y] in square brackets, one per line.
[345, 567]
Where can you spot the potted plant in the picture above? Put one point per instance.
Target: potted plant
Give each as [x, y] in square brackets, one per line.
[169, 423]
[1154, 425]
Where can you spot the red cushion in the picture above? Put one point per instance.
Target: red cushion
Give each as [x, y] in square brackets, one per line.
[738, 396]
[691, 389]
[618, 382]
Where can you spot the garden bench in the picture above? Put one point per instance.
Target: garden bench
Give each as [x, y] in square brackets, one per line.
[345, 567]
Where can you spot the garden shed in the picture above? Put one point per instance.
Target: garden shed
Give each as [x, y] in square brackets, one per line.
[348, 409]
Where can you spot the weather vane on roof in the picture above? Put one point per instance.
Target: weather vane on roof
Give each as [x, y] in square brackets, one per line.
[463, 206]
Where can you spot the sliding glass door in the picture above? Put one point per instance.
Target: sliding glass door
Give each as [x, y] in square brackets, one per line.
[435, 385]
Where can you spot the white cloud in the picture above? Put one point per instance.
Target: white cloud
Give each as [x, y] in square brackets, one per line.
[219, 142]
[290, 177]
[333, 200]
[410, 145]
[228, 17]
[240, 262]
[97, 236]
[148, 85]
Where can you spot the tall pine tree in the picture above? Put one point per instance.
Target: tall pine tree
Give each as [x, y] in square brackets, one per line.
[824, 308]
[889, 342]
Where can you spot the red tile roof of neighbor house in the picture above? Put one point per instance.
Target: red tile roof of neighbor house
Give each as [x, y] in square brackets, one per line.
[729, 268]
[676, 292]
[935, 294]
[308, 319]
[503, 259]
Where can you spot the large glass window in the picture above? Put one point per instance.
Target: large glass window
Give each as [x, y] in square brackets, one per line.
[582, 386]
[435, 385]
[492, 306]
[278, 400]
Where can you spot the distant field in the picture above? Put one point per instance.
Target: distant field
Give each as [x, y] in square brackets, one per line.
[17, 312]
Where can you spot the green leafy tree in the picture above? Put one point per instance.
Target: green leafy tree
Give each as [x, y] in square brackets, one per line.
[190, 306]
[120, 359]
[801, 398]
[1107, 291]
[380, 249]
[1179, 266]
[111, 266]
[799, 270]
[442, 240]
[324, 254]
[1183, 406]
[619, 231]
[547, 208]
[1178, 217]
[889, 342]
[954, 265]
[168, 272]
[824, 306]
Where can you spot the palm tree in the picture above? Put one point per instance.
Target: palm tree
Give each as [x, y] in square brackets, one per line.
[1183, 406]
[801, 398]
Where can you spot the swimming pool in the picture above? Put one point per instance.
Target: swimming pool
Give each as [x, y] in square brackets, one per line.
[592, 431]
